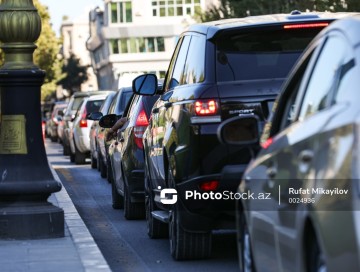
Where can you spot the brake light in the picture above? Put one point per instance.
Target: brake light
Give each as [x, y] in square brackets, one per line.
[140, 126]
[209, 185]
[311, 25]
[83, 121]
[267, 143]
[205, 108]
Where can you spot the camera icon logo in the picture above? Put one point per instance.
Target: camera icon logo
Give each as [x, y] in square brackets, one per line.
[168, 196]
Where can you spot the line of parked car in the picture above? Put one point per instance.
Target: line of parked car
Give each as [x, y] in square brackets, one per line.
[233, 109]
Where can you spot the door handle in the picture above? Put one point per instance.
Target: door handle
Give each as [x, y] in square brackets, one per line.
[306, 156]
[271, 172]
[168, 104]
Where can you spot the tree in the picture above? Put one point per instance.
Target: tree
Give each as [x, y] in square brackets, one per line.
[242, 8]
[45, 56]
[74, 74]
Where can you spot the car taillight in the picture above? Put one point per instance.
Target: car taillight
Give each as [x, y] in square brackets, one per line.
[267, 143]
[206, 107]
[209, 185]
[205, 111]
[140, 126]
[310, 25]
[83, 121]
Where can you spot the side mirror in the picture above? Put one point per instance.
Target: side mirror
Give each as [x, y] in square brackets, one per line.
[61, 113]
[95, 116]
[145, 84]
[240, 130]
[108, 121]
[58, 118]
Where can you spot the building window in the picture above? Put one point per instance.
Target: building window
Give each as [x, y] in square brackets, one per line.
[168, 8]
[137, 45]
[121, 11]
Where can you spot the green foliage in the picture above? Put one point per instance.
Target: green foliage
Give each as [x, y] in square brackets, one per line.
[45, 56]
[74, 74]
[242, 8]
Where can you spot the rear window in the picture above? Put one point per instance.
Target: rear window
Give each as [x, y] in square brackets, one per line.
[93, 105]
[260, 54]
[124, 99]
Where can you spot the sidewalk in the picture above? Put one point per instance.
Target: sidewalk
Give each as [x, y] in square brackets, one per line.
[75, 252]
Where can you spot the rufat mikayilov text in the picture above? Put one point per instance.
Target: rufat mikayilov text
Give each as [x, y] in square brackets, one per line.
[318, 191]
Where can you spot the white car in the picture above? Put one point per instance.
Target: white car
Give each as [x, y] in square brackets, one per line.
[79, 135]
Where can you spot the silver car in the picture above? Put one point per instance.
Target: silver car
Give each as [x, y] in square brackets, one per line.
[79, 133]
[298, 203]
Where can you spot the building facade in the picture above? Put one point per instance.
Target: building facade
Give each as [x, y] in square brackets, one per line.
[131, 37]
[75, 34]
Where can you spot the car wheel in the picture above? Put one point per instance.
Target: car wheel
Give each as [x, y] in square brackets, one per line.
[246, 260]
[72, 157]
[316, 259]
[99, 160]
[186, 245]
[53, 139]
[93, 161]
[117, 199]
[66, 150]
[80, 158]
[109, 172]
[155, 228]
[103, 169]
[132, 210]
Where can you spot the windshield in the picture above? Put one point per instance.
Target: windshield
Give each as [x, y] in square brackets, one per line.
[261, 54]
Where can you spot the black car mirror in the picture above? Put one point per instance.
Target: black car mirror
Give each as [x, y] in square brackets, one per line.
[108, 121]
[95, 116]
[240, 130]
[145, 84]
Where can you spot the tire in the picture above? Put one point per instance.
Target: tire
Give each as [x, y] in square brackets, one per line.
[132, 210]
[186, 245]
[316, 259]
[155, 228]
[99, 160]
[93, 161]
[246, 260]
[117, 199]
[66, 149]
[80, 158]
[53, 139]
[109, 171]
[72, 157]
[103, 169]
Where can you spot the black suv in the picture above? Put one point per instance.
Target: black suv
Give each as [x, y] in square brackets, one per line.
[218, 70]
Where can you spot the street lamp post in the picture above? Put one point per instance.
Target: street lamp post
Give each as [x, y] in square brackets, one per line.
[26, 180]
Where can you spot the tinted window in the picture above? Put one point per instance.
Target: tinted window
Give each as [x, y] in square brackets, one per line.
[324, 77]
[93, 106]
[176, 69]
[259, 54]
[124, 99]
[105, 106]
[195, 61]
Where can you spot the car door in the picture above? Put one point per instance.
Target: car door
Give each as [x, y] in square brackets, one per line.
[121, 139]
[296, 153]
[161, 110]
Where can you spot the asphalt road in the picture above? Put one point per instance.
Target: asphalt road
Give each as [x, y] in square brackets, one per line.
[125, 244]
